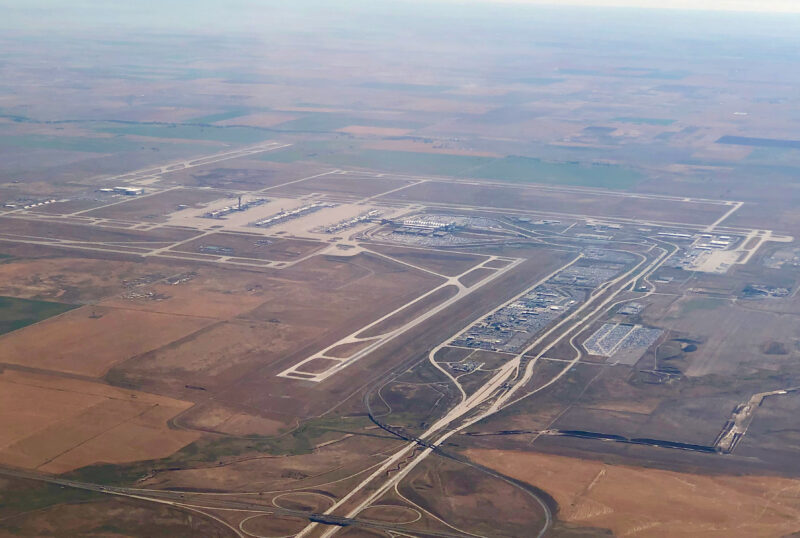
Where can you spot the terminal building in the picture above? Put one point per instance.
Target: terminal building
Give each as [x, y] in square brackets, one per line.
[426, 225]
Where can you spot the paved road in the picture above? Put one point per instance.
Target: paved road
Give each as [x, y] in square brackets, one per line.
[484, 402]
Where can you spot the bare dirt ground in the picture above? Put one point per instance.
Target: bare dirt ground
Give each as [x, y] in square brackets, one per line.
[636, 501]
[76, 423]
[71, 280]
[218, 417]
[211, 359]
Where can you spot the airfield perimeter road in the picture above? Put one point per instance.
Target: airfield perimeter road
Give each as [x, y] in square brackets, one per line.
[504, 388]
[486, 400]
[384, 338]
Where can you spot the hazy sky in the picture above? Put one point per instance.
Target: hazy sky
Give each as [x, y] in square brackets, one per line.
[788, 6]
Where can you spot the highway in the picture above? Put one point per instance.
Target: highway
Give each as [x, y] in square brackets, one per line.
[484, 402]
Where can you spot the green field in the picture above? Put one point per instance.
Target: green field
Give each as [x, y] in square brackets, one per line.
[18, 313]
[307, 150]
[70, 143]
[407, 162]
[529, 170]
[644, 121]
[510, 169]
[221, 116]
[322, 122]
[234, 135]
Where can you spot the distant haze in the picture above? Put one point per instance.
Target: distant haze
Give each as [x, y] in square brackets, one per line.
[767, 6]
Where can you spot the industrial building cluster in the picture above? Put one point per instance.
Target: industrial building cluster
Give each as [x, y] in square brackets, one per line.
[513, 326]
[701, 247]
[587, 275]
[510, 328]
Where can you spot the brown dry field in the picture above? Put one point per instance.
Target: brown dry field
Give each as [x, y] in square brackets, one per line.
[410, 312]
[475, 276]
[77, 343]
[316, 366]
[58, 229]
[329, 291]
[244, 246]
[345, 350]
[214, 294]
[471, 500]
[304, 399]
[303, 500]
[536, 199]
[56, 424]
[355, 185]
[265, 525]
[70, 279]
[363, 130]
[729, 345]
[496, 264]
[217, 417]
[443, 263]
[104, 517]
[156, 206]
[636, 501]
[214, 358]
[387, 513]
[306, 308]
[490, 359]
[452, 354]
[355, 532]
